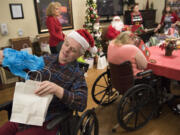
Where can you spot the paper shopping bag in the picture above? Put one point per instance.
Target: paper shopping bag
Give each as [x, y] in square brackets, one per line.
[26, 48]
[90, 61]
[29, 108]
[102, 62]
[45, 47]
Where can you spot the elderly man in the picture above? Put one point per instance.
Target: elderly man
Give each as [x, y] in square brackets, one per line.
[67, 82]
[115, 28]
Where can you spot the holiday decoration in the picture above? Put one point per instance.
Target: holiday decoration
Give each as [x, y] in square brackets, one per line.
[169, 45]
[92, 22]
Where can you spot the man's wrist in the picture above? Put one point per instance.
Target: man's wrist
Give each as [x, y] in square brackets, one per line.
[59, 92]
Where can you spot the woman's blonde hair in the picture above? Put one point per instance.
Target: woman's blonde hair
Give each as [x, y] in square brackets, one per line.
[51, 7]
[124, 38]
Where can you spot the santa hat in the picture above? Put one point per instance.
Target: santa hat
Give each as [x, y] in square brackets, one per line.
[85, 39]
[116, 18]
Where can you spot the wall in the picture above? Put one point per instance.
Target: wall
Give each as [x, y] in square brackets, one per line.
[28, 25]
[158, 5]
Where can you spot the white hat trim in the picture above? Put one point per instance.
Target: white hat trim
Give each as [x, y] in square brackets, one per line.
[116, 17]
[76, 36]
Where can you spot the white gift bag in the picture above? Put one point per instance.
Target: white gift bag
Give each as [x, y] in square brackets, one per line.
[102, 62]
[45, 47]
[90, 61]
[27, 48]
[29, 108]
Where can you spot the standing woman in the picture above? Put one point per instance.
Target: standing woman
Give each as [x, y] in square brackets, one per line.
[136, 20]
[54, 26]
[169, 19]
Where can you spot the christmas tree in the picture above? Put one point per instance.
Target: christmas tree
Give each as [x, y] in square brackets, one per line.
[92, 22]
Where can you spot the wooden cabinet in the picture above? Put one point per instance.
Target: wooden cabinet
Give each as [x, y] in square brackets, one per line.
[149, 17]
[20, 43]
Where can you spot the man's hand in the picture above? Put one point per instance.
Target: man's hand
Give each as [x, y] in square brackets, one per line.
[47, 87]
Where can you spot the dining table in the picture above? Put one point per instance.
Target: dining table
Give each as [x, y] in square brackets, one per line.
[165, 66]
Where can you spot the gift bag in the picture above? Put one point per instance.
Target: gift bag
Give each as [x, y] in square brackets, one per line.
[45, 47]
[29, 108]
[90, 61]
[102, 62]
[27, 48]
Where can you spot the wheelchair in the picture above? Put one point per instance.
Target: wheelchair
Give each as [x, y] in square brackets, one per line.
[140, 99]
[70, 123]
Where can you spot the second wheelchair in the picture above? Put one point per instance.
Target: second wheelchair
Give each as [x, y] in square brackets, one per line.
[140, 97]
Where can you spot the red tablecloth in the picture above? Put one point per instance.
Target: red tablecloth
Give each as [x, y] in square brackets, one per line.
[167, 66]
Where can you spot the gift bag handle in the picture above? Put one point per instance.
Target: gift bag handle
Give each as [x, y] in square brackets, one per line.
[49, 73]
[38, 72]
[36, 75]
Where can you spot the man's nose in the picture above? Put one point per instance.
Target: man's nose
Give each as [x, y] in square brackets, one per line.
[68, 49]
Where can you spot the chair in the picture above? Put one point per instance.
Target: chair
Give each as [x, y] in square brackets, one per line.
[7, 77]
[85, 124]
[22, 43]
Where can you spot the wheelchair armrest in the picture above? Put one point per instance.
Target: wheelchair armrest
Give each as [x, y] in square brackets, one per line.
[7, 107]
[58, 119]
[145, 73]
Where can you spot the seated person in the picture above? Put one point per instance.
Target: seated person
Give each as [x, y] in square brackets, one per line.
[115, 28]
[169, 19]
[67, 82]
[122, 49]
[136, 20]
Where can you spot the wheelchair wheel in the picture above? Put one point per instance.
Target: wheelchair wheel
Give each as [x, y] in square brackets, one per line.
[136, 107]
[102, 91]
[88, 124]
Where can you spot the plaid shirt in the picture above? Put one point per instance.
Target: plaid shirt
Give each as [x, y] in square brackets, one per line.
[71, 78]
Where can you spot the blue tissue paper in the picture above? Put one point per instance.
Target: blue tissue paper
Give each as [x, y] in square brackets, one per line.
[17, 61]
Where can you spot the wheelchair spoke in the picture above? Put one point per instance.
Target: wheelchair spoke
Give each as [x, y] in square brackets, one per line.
[102, 97]
[126, 103]
[130, 116]
[127, 113]
[136, 119]
[142, 114]
[106, 80]
[100, 92]
[101, 86]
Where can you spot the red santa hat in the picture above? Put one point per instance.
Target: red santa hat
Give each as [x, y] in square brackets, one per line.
[85, 39]
[115, 18]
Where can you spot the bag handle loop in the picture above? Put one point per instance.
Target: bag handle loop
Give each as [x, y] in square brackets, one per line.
[38, 73]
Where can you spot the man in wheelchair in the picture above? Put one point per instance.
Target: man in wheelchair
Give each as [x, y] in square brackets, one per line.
[67, 83]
